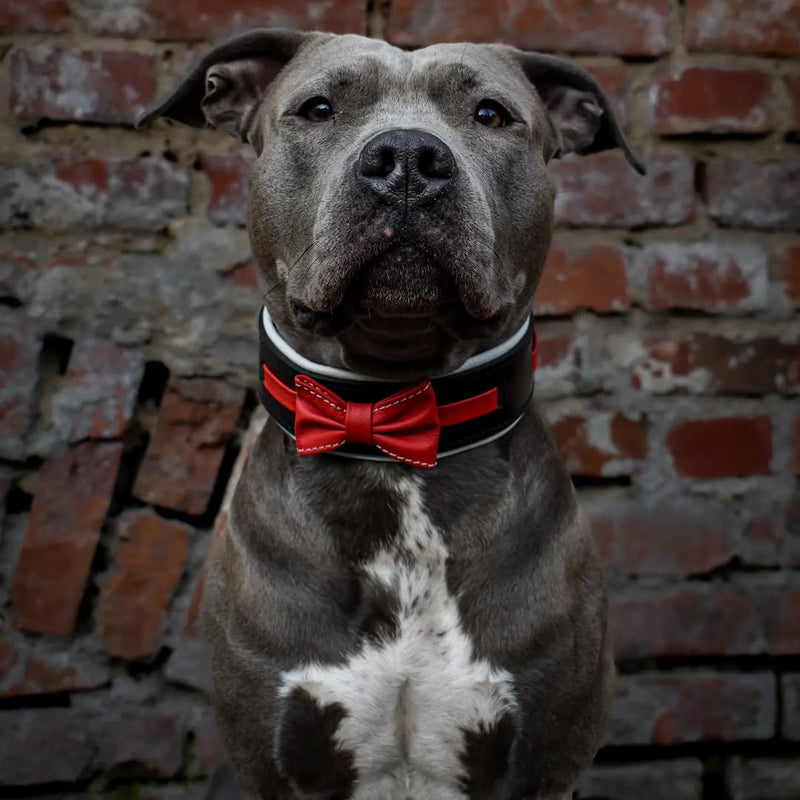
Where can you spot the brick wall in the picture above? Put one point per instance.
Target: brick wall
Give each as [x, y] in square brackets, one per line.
[670, 352]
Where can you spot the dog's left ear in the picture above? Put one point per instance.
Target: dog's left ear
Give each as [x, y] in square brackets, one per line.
[580, 113]
[230, 80]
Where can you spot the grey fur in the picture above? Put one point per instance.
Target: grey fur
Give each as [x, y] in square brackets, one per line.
[307, 575]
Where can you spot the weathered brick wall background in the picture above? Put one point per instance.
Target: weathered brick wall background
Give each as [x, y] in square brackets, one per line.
[670, 349]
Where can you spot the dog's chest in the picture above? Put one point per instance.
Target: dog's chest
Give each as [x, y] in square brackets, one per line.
[412, 697]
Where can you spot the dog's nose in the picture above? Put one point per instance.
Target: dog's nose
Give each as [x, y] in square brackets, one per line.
[406, 165]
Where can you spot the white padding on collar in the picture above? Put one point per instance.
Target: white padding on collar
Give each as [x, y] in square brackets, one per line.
[303, 363]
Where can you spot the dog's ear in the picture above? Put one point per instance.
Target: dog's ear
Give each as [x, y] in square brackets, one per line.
[226, 86]
[579, 111]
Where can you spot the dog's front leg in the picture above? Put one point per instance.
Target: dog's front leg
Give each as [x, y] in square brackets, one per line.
[532, 599]
[277, 597]
[270, 728]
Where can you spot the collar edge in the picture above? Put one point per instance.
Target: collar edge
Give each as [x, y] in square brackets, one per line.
[306, 364]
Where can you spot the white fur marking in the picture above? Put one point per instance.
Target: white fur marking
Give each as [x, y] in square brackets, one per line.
[408, 700]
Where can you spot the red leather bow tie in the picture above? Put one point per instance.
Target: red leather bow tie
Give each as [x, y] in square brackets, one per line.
[405, 425]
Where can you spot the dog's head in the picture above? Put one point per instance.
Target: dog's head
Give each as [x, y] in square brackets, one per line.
[400, 208]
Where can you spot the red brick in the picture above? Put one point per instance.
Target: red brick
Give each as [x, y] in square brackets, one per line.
[65, 745]
[706, 276]
[193, 615]
[72, 497]
[48, 746]
[216, 19]
[593, 278]
[708, 100]
[686, 620]
[554, 351]
[571, 25]
[229, 176]
[780, 609]
[24, 673]
[774, 540]
[151, 739]
[721, 447]
[708, 619]
[692, 707]
[604, 190]
[33, 15]
[663, 539]
[791, 706]
[754, 194]
[744, 26]
[19, 356]
[188, 665]
[792, 83]
[80, 85]
[19, 273]
[196, 419]
[790, 275]
[655, 780]
[562, 365]
[138, 194]
[764, 778]
[99, 393]
[147, 566]
[219, 530]
[601, 443]
[703, 362]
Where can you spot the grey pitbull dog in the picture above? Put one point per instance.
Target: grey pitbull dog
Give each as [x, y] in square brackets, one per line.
[379, 631]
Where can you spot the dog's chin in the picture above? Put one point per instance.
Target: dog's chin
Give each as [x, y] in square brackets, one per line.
[402, 347]
[402, 318]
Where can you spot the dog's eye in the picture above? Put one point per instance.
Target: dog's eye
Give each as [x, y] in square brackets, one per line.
[491, 114]
[317, 109]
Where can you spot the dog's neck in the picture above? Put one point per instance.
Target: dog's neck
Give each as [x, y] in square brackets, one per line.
[477, 403]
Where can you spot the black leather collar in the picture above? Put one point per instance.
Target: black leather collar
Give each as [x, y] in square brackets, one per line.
[508, 367]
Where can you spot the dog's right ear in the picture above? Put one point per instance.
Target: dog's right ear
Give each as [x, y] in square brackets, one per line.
[224, 89]
[579, 112]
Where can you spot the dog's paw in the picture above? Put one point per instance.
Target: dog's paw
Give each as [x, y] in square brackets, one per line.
[307, 751]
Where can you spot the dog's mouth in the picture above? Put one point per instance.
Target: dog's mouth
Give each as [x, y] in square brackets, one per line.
[388, 324]
[409, 279]
[410, 306]
[400, 285]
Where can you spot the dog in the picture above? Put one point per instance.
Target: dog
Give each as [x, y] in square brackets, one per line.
[406, 603]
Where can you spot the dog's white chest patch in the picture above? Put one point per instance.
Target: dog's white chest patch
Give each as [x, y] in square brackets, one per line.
[409, 700]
